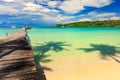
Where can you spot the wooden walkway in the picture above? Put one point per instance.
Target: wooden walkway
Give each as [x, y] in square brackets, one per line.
[16, 58]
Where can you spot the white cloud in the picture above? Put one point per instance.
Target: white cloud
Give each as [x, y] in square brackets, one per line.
[57, 18]
[52, 4]
[71, 6]
[8, 10]
[115, 18]
[31, 6]
[8, 0]
[100, 16]
[48, 10]
[105, 14]
[74, 6]
[85, 19]
[97, 3]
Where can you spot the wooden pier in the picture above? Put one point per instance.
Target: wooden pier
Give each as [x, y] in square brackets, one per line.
[16, 58]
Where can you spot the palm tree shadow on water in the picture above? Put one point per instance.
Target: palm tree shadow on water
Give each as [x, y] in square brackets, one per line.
[104, 50]
[41, 50]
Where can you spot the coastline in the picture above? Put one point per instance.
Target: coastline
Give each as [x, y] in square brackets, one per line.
[102, 23]
[83, 66]
[73, 64]
[100, 71]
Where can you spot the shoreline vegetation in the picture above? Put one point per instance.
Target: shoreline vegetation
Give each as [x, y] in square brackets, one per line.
[105, 23]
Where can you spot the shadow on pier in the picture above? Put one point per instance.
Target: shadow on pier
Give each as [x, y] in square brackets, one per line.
[104, 50]
[16, 58]
[16, 61]
[7, 48]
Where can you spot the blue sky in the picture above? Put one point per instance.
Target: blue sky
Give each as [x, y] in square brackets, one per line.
[51, 12]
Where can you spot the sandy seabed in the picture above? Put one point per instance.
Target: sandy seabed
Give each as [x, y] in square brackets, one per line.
[82, 67]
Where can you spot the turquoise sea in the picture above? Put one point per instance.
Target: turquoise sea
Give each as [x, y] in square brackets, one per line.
[76, 37]
[63, 49]
[9, 30]
[66, 43]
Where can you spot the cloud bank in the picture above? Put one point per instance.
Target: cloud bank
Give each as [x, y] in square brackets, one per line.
[56, 11]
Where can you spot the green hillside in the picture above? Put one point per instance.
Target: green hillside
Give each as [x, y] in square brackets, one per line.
[106, 23]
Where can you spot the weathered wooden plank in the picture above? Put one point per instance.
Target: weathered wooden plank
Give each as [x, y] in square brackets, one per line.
[16, 58]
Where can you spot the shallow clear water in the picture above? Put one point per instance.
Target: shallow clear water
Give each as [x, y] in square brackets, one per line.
[79, 36]
[63, 43]
[8, 30]
[66, 52]
[76, 37]
[67, 48]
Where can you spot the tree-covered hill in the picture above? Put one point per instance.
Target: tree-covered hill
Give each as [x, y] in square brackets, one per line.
[106, 23]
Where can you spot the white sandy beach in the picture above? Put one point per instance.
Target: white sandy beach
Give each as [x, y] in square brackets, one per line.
[84, 67]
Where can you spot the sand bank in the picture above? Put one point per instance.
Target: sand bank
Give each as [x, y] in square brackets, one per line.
[85, 67]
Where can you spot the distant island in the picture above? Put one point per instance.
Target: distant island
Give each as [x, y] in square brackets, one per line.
[105, 23]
